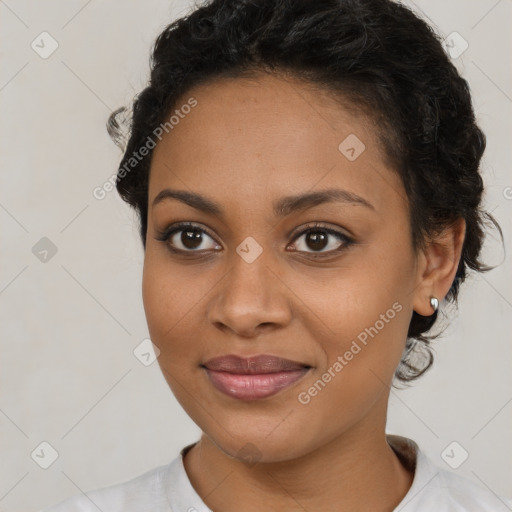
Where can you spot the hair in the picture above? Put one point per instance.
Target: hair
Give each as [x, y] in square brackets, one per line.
[380, 56]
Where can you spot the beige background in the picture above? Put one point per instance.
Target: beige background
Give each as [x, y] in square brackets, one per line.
[69, 326]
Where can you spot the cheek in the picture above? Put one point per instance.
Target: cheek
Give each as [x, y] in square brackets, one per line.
[362, 312]
[170, 293]
[172, 296]
[370, 292]
[360, 355]
[360, 327]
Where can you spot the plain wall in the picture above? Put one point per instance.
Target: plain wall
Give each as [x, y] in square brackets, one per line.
[69, 325]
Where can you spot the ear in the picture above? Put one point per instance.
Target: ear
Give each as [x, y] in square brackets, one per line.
[437, 266]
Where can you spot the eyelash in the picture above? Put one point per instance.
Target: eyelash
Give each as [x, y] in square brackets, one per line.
[165, 235]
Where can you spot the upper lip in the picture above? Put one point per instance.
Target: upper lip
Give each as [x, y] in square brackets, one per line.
[252, 365]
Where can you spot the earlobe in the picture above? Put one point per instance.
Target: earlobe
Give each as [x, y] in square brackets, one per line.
[439, 263]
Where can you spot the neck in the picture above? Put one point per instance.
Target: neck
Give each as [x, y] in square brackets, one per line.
[354, 472]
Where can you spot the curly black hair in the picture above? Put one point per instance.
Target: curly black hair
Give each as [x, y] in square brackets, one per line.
[378, 54]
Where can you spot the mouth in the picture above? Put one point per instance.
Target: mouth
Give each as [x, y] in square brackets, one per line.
[255, 377]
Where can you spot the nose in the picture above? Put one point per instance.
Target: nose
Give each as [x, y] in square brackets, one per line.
[251, 298]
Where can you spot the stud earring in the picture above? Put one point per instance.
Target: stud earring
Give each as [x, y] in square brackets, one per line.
[434, 303]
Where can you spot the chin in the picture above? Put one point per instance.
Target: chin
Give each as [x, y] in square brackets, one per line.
[255, 445]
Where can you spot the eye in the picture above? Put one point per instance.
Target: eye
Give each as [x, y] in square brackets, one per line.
[321, 240]
[187, 237]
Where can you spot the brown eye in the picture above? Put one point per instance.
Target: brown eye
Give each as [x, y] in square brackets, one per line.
[188, 238]
[319, 239]
[191, 238]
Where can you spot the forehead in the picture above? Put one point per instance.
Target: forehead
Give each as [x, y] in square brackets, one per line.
[272, 135]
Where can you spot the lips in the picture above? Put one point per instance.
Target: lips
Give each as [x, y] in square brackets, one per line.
[254, 377]
[252, 365]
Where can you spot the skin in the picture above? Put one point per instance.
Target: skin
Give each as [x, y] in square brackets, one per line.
[248, 143]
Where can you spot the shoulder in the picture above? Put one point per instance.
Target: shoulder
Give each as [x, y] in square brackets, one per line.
[463, 494]
[442, 490]
[144, 492]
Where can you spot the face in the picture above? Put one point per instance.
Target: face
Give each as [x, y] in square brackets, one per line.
[247, 278]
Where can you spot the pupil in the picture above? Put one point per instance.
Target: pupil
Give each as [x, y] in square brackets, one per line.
[316, 240]
[191, 238]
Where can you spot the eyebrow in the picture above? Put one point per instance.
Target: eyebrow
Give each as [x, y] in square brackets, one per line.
[281, 207]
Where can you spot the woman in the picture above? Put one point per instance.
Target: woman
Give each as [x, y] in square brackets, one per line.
[306, 178]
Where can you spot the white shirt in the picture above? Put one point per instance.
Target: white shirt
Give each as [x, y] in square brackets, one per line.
[168, 489]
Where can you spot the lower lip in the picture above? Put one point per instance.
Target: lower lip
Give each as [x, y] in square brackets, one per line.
[253, 387]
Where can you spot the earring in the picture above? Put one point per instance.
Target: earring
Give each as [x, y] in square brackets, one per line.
[434, 303]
